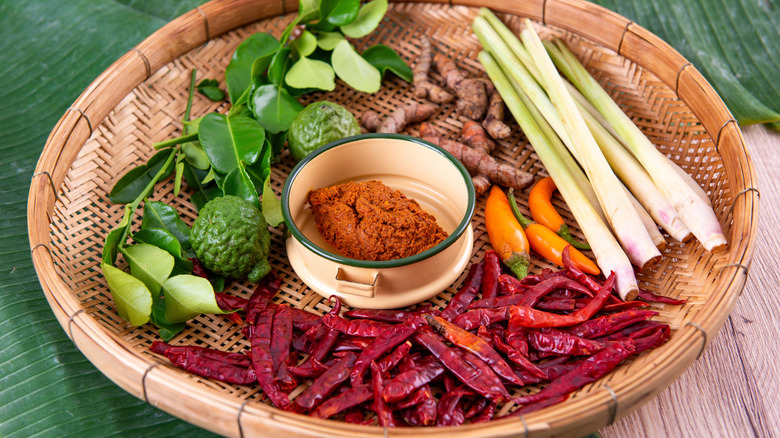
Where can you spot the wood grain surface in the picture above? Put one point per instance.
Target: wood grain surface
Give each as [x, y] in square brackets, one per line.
[732, 390]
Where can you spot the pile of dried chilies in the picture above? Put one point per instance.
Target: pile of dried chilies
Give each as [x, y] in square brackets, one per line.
[466, 363]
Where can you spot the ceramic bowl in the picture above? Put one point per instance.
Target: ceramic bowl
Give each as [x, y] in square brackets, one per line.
[420, 170]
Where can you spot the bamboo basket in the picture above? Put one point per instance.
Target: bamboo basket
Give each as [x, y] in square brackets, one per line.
[140, 99]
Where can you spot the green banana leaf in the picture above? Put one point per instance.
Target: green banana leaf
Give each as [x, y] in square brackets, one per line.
[51, 50]
[735, 44]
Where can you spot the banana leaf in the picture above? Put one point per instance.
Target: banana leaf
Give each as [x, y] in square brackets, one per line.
[51, 50]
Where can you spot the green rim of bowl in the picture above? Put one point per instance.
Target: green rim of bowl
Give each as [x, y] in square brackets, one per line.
[454, 236]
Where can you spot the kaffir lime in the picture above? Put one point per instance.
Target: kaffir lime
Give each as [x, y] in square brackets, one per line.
[319, 124]
[231, 238]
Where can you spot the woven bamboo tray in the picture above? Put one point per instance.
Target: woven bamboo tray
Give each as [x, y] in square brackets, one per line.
[141, 97]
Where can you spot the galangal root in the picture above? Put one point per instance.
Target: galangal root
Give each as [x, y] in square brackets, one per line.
[471, 92]
[397, 121]
[479, 163]
[423, 87]
[494, 119]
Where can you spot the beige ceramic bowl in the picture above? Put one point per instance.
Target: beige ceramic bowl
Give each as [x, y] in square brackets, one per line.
[423, 172]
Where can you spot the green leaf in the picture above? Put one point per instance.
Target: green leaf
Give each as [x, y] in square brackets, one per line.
[159, 238]
[210, 88]
[230, 140]
[308, 10]
[733, 44]
[259, 171]
[280, 64]
[132, 184]
[305, 44]
[251, 57]
[131, 296]
[166, 329]
[114, 238]
[195, 155]
[329, 40]
[187, 296]
[149, 264]
[368, 19]
[160, 215]
[384, 58]
[238, 183]
[274, 108]
[272, 207]
[354, 70]
[339, 12]
[310, 73]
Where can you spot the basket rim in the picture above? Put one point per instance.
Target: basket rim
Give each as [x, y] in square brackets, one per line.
[220, 16]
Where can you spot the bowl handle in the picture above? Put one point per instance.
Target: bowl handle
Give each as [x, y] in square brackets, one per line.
[357, 283]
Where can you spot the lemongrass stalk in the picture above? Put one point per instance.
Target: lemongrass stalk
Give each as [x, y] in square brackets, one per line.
[638, 181]
[697, 214]
[558, 147]
[532, 95]
[697, 189]
[624, 219]
[652, 228]
[609, 255]
[554, 51]
[579, 177]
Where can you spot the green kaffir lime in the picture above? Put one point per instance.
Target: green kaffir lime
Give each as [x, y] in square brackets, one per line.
[231, 237]
[319, 124]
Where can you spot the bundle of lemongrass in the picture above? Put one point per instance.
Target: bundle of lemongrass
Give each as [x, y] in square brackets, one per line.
[605, 168]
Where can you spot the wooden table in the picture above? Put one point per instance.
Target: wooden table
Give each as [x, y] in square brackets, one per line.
[732, 390]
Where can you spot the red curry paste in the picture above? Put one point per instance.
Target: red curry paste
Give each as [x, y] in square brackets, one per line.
[367, 220]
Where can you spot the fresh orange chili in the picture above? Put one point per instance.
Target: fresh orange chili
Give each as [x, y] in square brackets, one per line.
[505, 233]
[544, 213]
[548, 244]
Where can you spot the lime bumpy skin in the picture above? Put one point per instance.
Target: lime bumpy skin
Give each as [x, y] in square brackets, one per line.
[319, 124]
[231, 238]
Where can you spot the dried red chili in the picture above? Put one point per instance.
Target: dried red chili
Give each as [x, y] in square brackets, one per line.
[466, 293]
[383, 414]
[406, 382]
[490, 276]
[326, 383]
[532, 318]
[548, 340]
[584, 372]
[655, 298]
[388, 315]
[485, 316]
[263, 361]
[351, 397]
[281, 337]
[606, 324]
[356, 327]
[303, 320]
[556, 304]
[262, 295]
[386, 340]
[474, 344]
[485, 384]
[517, 357]
[391, 360]
[226, 367]
[450, 412]
[486, 414]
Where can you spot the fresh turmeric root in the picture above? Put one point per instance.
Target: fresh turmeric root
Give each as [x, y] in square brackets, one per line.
[397, 121]
[494, 119]
[471, 93]
[479, 163]
[474, 135]
[423, 88]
